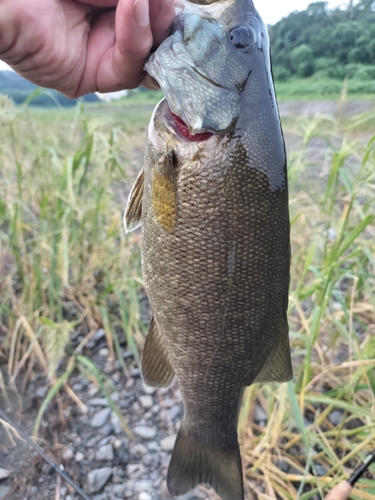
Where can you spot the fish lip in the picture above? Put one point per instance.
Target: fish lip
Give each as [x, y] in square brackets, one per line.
[170, 124]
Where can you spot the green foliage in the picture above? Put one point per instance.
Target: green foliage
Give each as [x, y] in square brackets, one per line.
[19, 89]
[302, 60]
[280, 73]
[326, 41]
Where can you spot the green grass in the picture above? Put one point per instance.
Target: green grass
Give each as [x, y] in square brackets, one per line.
[66, 262]
[319, 87]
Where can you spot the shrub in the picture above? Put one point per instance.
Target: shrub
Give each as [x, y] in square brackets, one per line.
[280, 73]
[302, 61]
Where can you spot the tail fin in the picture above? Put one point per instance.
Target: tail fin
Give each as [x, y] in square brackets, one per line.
[194, 463]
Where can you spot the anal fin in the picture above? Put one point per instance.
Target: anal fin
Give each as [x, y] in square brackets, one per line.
[194, 463]
[157, 371]
[133, 212]
[278, 367]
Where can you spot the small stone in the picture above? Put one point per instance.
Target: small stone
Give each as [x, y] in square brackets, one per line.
[165, 461]
[115, 421]
[335, 417]
[283, 466]
[134, 471]
[136, 407]
[138, 449]
[98, 402]
[164, 493]
[41, 392]
[103, 352]
[104, 441]
[153, 446]
[259, 413]
[77, 387]
[92, 441]
[98, 420]
[135, 372]
[129, 383]
[151, 460]
[156, 478]
[118, 489]
[174, 412]
[106, 430]
[320, 470]
[168, 403]
[99, 335]
[67, 454]
[144, 496]
[144, 432]
[105, 453]
[117, 443]
[4, 473]
[4, 490]
[146, 401]
[98, 478]
[149, 390]
[168, 442]
[93, 390]
[143, 485]
[115, 395]
[79, 456]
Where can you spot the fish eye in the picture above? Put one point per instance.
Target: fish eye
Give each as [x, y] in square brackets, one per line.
[240, 36]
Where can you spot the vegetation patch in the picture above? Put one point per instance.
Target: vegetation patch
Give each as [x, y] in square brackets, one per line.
[67, 269]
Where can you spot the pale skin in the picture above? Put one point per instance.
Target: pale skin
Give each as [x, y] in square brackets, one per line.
[82, 46]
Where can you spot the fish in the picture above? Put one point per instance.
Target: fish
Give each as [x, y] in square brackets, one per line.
[212, 202]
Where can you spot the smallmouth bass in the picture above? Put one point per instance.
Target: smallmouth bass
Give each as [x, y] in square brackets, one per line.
[212, 200]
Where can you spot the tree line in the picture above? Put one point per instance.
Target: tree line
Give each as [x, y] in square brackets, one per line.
[335, 43]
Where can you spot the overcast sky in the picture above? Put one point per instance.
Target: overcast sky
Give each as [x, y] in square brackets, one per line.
[273, 10]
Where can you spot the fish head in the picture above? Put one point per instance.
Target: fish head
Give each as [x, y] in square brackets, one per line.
[204, 66]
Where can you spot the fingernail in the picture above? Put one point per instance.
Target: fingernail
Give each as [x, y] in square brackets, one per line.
[141, 13]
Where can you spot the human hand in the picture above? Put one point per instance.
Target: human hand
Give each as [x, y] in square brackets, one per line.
[82, 46]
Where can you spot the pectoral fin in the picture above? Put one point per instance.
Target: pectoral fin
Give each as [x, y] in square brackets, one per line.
[156, 368]
[164, 192]
[133, 212]
[278, 367]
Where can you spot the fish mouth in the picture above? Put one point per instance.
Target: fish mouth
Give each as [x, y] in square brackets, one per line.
[176, 125]
[190, 121]
[184, 129]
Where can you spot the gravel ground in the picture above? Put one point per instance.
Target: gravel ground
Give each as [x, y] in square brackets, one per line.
[90, 442]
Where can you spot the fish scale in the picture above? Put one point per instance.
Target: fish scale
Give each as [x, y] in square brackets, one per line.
[215, 243]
